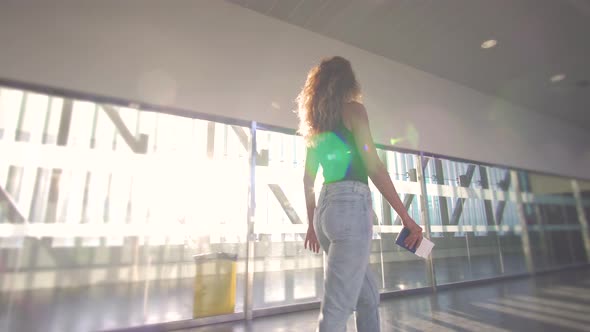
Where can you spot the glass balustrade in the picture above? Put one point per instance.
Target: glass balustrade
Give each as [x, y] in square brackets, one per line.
[103, 207]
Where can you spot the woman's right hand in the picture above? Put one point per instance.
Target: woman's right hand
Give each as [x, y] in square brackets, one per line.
[311, 240]
[415, 237]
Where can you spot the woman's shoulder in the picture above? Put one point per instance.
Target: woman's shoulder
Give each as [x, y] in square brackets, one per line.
[354, 110]
[354, 105]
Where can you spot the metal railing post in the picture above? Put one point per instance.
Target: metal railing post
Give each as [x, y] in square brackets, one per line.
[248, 298]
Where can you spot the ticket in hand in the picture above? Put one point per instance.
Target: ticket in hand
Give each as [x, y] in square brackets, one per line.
[423, 250]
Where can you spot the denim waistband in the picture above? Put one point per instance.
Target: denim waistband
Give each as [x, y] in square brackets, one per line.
[345, 187]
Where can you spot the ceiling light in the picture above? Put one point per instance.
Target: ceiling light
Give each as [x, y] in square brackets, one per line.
[489, 43]
[557, 78]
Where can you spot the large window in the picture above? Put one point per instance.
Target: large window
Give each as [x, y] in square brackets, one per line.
[285, 273]
[552, 221]
[465, 218]
[103, 207]
[400, 270]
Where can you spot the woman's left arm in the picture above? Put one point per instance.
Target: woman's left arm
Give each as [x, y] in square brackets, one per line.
[311, 169]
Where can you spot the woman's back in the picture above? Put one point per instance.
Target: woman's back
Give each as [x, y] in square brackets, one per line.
[337, 152]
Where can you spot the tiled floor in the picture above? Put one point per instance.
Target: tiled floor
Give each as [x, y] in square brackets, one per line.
[109, 306]
[550, 302]
[559, 301]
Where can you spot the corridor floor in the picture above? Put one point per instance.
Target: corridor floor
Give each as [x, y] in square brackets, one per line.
[558, 301]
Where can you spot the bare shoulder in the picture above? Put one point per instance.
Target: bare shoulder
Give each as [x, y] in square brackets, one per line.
[354, 112]
[354, 106]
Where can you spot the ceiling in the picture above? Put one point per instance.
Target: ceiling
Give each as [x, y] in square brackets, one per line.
[537, 39]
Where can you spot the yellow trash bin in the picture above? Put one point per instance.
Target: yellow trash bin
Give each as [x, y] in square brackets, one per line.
[215, 284]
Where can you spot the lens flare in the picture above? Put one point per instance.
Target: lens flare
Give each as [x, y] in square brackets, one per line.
[394, 141]
[335, 154]
[412, 136]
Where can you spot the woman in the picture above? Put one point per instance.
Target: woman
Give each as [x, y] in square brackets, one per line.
[336, 129]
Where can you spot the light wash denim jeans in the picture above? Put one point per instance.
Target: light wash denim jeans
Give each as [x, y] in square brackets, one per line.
[343, 225]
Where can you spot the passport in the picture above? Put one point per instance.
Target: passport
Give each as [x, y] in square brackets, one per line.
[423, 250]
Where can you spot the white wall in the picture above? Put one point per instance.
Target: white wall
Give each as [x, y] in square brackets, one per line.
[214, 57]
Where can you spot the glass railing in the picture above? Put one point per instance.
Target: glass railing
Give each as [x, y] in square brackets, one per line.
[102, 208]
[553, 223]
[400, 271]
[105, 207]
[285, 273]
[473, 221]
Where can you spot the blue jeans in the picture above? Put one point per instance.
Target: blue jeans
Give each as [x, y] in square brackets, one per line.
[343, 225]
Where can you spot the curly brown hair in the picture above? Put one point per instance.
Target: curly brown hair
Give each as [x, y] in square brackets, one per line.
[328, 86]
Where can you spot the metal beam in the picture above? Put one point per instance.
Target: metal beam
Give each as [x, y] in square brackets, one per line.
[20, 133]
[464, 181]
[137, 144]
[285, 204]
[407, 203]
[409, 198]
[261, 157]
[442, 201]
[211, 139]
[43, 175]
[489, 209]
[62, 140]
[15, 173]
[486, 185]
[242, 136]
[385, 207]
[14, 213]
[526, 243]
[504, 185]
[249, 271]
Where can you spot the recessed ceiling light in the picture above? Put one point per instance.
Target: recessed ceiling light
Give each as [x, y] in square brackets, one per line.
[489, 43]
[557, 78]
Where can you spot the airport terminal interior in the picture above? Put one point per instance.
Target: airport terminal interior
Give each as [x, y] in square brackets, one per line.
[124, 192]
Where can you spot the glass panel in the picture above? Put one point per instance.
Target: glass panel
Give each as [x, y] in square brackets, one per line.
[554, 230]
[284, 272]
[540, 249]
[119, 200]
[463, 225]
[112, 232]
[379, 219]
[507, 219]
[401, 270]
[585, 196]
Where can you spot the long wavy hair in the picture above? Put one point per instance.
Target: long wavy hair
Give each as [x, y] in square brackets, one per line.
[328, 86]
